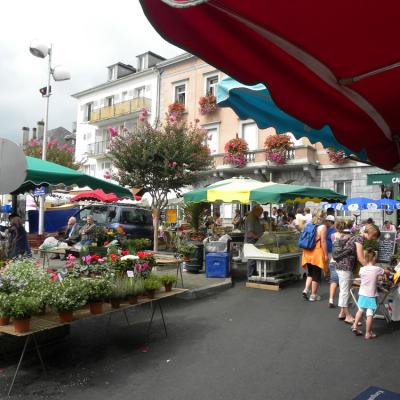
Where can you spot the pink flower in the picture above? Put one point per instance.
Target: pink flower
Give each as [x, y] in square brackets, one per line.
[143, 114]
[113, 132]
[174, 164]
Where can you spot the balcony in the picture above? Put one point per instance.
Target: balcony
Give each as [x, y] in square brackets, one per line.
[259, 155]
[120, 109]
[97, 148]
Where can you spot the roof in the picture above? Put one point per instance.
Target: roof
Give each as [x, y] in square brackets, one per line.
[175, 60]
[152, 54]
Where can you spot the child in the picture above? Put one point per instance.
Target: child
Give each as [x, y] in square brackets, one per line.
[367, 294]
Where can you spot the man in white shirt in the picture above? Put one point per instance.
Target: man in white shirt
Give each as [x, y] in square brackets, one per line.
[307, 216]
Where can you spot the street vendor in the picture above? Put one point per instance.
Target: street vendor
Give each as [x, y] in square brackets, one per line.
[88, 231]
[253, 231]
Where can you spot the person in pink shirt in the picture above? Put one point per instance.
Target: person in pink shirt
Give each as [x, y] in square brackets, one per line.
[367, 294]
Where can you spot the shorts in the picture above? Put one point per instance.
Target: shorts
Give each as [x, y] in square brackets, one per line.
[333, 274]
[367, 304]
[314, 272]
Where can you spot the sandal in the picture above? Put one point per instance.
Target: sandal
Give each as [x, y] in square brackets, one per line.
[371, 336]
[356, 331]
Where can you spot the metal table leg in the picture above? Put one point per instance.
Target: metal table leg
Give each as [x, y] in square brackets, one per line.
[158, 303]
[179, 268]
[28, 338]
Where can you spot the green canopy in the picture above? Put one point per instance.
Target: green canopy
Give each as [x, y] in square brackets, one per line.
[44, 173]
[245, 190]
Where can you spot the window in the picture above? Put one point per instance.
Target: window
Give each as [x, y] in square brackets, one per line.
[124, 96]
[343, 187]
[212, 139]
[106, 165]
[112, 73]
[99, 214]
[180, 94]
[140, 92]
[250, 135]
[90, 170]
[136, 217]
[88, 111]
[109, 101]
[211, 85]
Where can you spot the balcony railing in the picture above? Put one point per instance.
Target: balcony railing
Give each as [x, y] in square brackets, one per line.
[122, 108]
[97, 148]
[259, 155]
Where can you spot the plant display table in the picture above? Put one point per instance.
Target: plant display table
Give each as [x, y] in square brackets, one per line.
[51, 321]
[166, 259]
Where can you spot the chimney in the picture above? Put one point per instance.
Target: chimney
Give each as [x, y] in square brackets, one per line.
[40, 129]
[33, 133]
[25, 135]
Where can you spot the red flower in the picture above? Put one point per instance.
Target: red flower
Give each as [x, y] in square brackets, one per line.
[114, 257]
[124, 252]
[95, 257]
[143, 254]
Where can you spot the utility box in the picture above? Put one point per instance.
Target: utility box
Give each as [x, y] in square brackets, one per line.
[217, 265]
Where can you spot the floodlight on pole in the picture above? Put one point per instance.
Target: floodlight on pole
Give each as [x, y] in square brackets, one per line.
[59, 73]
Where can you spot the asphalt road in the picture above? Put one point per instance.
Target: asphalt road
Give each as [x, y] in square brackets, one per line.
[238, 344]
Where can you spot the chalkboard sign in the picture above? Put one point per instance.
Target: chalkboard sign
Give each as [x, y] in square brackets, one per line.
[387, 243]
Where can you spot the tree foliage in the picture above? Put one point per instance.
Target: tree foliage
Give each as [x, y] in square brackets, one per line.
[160, 159]
[56, 152]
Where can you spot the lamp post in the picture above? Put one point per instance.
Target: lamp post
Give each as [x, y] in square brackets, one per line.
[41, 50]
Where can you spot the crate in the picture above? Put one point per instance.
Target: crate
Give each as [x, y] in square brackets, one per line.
[217, 265]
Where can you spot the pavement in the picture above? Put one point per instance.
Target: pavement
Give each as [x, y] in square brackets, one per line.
[237, 344]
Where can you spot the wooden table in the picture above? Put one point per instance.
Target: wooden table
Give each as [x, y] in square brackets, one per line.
[51, 321]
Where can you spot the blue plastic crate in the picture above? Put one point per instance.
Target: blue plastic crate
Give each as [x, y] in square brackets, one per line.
[217, 265]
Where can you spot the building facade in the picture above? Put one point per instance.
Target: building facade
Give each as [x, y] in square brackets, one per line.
[115, 103]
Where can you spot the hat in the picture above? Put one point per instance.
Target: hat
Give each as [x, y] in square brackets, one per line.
[330, 218]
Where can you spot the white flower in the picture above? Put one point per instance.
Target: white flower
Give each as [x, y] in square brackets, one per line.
[129, 257]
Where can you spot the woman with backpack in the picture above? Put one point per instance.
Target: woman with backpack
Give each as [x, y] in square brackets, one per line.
[315, 255]
[347, 249]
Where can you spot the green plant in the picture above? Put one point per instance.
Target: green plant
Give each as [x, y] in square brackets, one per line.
[135, 286]
[371, 244]
[194, 213]
[152, 283]
[165, 279]
[23, 307]
[186, 249]
[5, 305]
[135, 245]
[68, 295]
[97, 289]
[120, 288]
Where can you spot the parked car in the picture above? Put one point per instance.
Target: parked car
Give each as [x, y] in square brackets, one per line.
[137, 222]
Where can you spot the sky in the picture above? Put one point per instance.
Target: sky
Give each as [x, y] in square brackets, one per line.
[87, 36]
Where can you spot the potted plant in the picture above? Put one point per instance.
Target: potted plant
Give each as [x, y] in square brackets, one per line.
[168, 281]
[5, 309]
[119, 291]
[176, 111]
[22, 308]
[135, 288]
[336, 157]
[276, 148]
[97, 289]
[67, 296]
[186, 249]
[207, 104]
[151, 285]
[235, 152]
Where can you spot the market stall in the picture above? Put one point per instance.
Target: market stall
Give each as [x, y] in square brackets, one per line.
[276, 253]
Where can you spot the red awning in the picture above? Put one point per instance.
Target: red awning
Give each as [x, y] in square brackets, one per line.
[334, 63]
[97, 195]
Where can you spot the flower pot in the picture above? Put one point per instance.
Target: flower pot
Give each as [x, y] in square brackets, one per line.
[115, 303]
[96, 307]
[22, 325]
[168, 287]
[151, 293]
[132, 299]
[4, 321]
[66, 316]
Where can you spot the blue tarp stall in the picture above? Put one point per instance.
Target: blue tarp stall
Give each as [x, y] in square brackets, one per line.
[54, 220]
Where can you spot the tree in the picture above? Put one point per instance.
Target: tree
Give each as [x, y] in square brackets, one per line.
[56, 153]
[160, 160]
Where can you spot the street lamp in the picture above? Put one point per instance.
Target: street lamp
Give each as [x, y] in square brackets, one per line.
[59, 73]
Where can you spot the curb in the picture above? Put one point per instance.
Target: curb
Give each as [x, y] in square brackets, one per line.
[205, 291]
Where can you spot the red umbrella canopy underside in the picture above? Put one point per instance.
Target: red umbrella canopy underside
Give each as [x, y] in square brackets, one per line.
[97, 195]
[304, 51]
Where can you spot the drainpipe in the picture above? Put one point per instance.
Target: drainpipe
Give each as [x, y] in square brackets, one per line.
[158, 99]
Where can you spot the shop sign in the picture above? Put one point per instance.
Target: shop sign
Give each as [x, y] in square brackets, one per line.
[387, 243]
[383, 179]
[377, 393]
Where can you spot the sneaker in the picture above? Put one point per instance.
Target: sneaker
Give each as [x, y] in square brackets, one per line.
[305, 295]
[314, 297]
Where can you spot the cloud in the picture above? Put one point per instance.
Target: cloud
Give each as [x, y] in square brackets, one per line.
[87, 36]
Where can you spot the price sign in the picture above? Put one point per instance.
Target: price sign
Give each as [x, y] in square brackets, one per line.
[39, 191]
[387, 243]
[130, 274]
